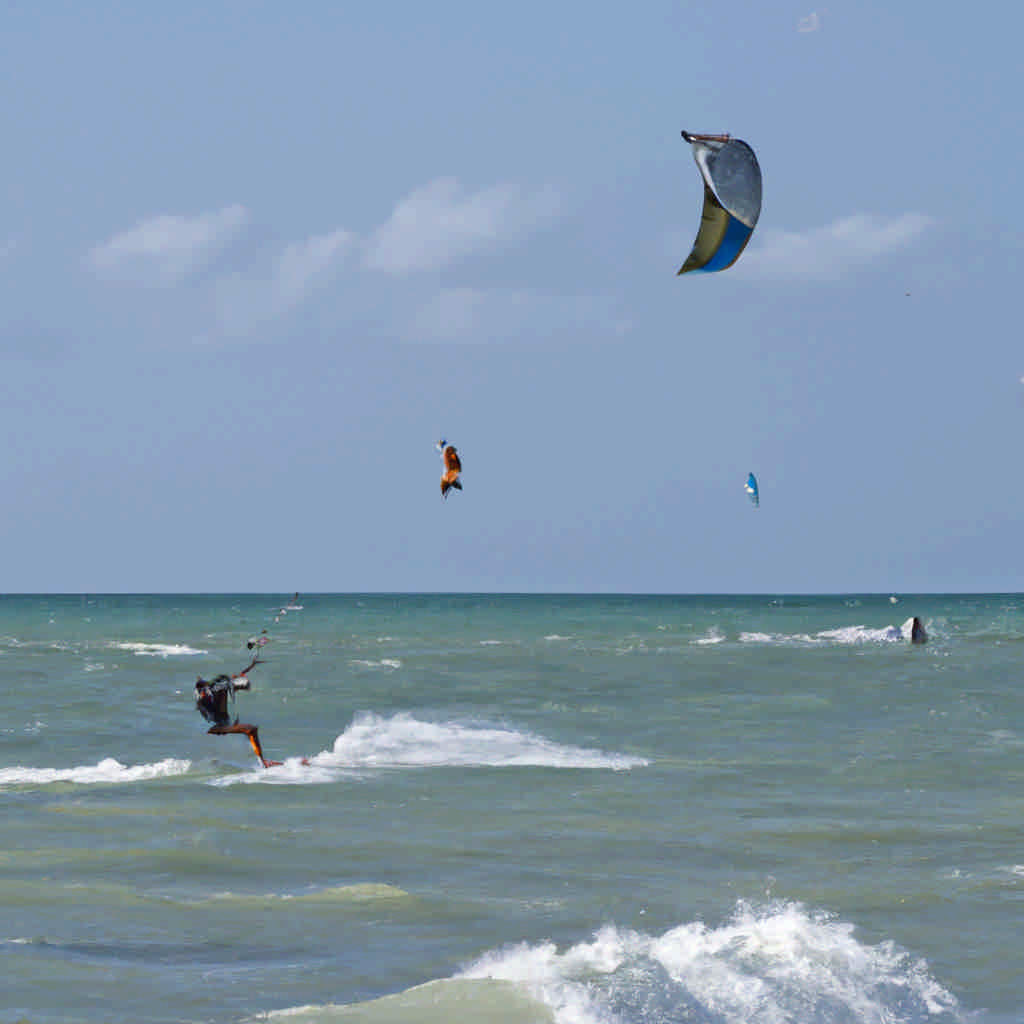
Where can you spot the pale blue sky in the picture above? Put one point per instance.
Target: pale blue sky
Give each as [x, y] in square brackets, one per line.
[255, 258]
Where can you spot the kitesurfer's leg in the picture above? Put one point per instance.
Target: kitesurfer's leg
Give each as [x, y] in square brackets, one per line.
[254, 739]
[250, 731]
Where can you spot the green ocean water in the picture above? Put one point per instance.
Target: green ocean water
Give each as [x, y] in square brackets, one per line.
[578, 809]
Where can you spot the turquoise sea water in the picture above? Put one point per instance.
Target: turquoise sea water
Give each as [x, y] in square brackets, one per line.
[516, 808]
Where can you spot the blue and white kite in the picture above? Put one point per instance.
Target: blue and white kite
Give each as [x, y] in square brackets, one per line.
[751, 488]
[732, 201]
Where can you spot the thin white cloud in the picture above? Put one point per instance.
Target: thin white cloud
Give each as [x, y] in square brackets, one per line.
[166, 248]
[302, 265]
[832, 251]
[440, 223]
[809, 24]
[244, 300]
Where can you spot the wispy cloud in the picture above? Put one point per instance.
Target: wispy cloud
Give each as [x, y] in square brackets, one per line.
[166, 248]
[811, 23]
[243, 300]
[302, 265]
[831, 251]
[242, 288]
[440, 223]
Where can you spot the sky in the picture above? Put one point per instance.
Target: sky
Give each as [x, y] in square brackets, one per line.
[257, 258]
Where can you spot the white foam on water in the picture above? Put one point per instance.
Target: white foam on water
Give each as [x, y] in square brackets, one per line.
[404, 741]
[712, 636]
[108, 770]
[391, 663]
[779, 964]
[373, 741]
[156, 650]
[293, 771]
[847, 635]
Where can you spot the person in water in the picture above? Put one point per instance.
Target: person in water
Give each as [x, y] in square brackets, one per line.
[917, 632]
[212, 704]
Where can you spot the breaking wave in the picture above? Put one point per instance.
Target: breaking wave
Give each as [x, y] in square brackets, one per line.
[108, 770]
[778, 964]
[841, 635]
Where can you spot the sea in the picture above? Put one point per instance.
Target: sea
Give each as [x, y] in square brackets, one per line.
[570, 809]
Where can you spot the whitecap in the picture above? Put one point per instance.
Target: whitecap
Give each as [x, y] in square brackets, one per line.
[712, 636]
[404, 741]
[156, 650]
[840, 635]
[108, 770]
[766, 963]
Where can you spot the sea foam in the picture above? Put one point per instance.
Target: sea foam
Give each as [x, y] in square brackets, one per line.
[404, 741]
[401, 741]
[156, 650]
[839, 635]
[108, 770]
[778, 963]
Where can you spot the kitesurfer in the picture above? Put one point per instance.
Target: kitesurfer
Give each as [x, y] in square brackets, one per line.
[212, 704]
[452, 467]
[257, 641]
[917, 632]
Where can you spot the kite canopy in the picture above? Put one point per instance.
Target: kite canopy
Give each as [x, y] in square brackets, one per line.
[751, 488]
[732, 201]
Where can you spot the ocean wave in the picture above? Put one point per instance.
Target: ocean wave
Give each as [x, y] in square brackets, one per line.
[778, 963]
[108, 770]
[839, 635]
[356, 893]
[155, 650]
[391, 663]
[767, 963]
[712, 636]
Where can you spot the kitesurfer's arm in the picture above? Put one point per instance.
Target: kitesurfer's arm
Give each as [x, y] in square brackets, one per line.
[244, 684]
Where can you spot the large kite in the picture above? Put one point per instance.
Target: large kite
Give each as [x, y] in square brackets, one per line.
[732, 200]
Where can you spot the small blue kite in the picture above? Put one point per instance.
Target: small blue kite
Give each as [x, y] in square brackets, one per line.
[751, 488]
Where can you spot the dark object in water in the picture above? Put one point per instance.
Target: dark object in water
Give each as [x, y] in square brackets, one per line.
[917, 632]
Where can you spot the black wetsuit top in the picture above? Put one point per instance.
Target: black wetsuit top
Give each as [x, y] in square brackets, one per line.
[212, 700]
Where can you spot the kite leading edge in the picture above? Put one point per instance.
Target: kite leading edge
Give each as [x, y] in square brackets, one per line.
[732, 200]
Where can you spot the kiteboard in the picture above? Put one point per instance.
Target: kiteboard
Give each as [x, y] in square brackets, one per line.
[304, 761]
